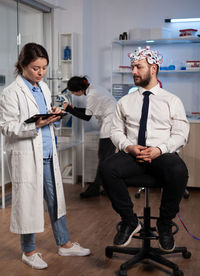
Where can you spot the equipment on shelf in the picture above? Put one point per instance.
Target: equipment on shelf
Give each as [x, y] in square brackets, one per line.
[67, 53]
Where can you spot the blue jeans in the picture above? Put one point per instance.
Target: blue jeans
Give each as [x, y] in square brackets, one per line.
[59, 226]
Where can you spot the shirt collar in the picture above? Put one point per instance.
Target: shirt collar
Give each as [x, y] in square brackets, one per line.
[30, 86]
[154, 90]
[87, 90]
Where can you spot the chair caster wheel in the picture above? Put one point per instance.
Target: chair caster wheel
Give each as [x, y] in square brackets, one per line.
[186, 254]
[178, 273]
[122, 273]
[137, 195]
[109, 253]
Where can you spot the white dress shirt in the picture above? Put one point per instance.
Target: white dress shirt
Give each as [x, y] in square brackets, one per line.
[101, 104]
[167, 125]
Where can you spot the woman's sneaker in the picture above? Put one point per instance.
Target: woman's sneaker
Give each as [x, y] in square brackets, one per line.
[34, 261]
[75, 250]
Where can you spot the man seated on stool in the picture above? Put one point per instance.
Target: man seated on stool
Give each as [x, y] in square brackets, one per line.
[148, 129]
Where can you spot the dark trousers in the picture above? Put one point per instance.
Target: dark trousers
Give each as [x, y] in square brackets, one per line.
[169, 168]
[106, 149]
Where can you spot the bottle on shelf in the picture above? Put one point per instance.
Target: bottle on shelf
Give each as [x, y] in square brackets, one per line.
[59, 73]
[124, 36]
[67, 53]
[70, 53]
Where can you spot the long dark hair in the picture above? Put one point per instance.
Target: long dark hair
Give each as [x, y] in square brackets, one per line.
[30, 52]
[77, 83]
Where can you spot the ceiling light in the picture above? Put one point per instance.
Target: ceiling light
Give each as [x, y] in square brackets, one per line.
[177, 20]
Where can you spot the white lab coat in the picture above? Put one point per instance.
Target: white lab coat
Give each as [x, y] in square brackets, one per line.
[25, 158]
[101, 104]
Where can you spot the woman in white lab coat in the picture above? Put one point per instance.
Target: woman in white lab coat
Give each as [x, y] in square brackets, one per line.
[32, 157]
[101, 104]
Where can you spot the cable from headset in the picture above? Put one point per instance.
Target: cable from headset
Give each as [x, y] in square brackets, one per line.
[191, 235]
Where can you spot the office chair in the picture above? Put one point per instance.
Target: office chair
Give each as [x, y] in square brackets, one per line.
[147, 234]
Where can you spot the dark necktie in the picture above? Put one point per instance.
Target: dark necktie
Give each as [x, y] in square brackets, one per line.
[143, 120]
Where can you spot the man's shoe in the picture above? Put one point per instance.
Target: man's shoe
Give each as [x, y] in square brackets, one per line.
[166, 238]
[75, 250]
[34, 261]
[91, 191]
[125, 233]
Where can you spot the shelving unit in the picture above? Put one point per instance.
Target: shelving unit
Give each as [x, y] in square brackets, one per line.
[69, 66]
[67, 135]
[161, 71]
[177, 40]
[121, 48]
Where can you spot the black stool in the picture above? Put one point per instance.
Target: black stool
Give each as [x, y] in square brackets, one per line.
[147, 234]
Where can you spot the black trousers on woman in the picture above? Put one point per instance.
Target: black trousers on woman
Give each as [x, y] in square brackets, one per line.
[106, 149]
[169, 167]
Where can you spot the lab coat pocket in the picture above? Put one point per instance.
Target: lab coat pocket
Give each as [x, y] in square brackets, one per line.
[23, 167]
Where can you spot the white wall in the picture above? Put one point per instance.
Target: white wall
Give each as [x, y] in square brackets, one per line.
[99, 22]
[104, 20]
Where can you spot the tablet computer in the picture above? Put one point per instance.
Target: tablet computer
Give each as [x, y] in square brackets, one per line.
[35, 117]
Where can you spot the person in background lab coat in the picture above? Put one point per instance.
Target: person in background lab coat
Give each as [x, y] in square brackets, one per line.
[101, 104]
[32, 158]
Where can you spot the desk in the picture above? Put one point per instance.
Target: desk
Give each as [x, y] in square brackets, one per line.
[191, 154]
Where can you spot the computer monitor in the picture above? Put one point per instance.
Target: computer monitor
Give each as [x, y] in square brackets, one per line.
[120, 90]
